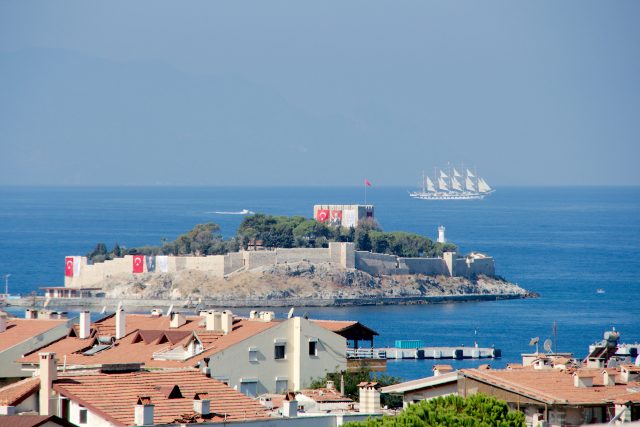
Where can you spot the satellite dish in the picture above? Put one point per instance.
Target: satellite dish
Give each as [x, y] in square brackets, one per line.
[534, 341]
[290, 315]
[547, 345]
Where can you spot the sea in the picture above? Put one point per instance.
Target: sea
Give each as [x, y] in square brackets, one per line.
[564, 243]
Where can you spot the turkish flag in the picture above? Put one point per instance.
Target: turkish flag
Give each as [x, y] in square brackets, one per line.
[68, 266]
[322, 215]
[138, 263]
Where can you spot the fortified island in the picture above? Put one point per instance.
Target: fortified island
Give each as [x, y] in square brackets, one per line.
[337, 274]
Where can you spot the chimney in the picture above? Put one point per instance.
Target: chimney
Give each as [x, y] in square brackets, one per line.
[253, 315]
[330, 385]
[227, 321]
[342, 384]
[121, 324]
[48, 374]
[143, 412]
[3, 322]
[290, 405]
[608, 378]
[204, 365]
[31, 313]
[7, 410]
[582, 380]
[268, 316]
[209, 320]
[156, 312]
[202, 405]
[177, 320]
[441, 369]
[85, 324]
[46, 314]
[369, 396]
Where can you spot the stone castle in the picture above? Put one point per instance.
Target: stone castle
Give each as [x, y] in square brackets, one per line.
[342, 255]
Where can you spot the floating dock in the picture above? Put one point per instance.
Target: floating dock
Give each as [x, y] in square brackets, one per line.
[458, 353]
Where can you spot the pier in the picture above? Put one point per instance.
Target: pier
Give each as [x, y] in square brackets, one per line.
[425, 353]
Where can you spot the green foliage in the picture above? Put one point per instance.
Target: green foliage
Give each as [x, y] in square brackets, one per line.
[284, 232]
[478, 410]
[352, 379]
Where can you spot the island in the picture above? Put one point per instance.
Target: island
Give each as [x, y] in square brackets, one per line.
[285, 261]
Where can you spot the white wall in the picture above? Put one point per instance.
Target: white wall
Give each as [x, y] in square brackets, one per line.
[298, 367]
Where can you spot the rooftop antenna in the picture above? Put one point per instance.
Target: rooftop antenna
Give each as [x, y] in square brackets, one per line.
[555, 337]
[535, 341]
[547, 345]
[290, 315]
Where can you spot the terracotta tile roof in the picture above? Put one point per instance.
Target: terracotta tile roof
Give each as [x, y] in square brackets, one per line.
[442, 367]
[113, 396]
[552, 386]
[148, 335]
[20, 330]
[32, 421]
[15, 393]
[325, 395]
[335, 325]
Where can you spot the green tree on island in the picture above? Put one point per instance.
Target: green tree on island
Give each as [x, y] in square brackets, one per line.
[284, 232]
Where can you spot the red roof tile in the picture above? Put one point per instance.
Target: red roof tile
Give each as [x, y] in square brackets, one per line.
[112, 396]
[20, 330]
[15, 393]
[552, 385]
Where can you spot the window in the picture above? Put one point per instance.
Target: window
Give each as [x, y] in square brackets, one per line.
[250, 388]
[279, 352]
[282, 385]
[253, 354]
[313, 348]
[82, 415]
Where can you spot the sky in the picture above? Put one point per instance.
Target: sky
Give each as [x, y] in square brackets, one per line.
[261, 93]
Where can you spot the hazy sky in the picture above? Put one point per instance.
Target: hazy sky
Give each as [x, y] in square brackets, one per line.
[318, 93]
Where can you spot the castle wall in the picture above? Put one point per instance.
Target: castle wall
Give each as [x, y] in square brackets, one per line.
[427, 266]
[314, 255]
[376, 264]
[340, 254]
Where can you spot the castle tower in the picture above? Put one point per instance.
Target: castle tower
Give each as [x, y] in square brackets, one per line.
[441, 238]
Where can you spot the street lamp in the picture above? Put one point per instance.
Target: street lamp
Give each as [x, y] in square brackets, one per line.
[6, 284]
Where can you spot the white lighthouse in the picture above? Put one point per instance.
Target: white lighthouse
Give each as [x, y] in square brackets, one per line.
[441, 238]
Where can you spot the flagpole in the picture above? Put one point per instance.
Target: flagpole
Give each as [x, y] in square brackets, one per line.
[365, 192]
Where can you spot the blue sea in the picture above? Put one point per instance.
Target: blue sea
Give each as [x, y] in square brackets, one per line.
[562, 242]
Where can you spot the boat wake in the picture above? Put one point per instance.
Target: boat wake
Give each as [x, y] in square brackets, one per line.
[242, 212]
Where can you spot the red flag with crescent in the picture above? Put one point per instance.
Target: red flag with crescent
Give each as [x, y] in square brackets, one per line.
[138, 263]
[322, 215]
[68, 266]
[367, 182]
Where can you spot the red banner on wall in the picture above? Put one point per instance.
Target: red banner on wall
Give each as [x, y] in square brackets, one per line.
[138, 263]
[68, 266]
[322, 215]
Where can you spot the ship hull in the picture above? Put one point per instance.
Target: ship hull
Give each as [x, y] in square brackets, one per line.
[448, 196]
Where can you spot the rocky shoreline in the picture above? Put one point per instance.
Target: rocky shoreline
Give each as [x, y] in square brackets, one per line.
[300, 284]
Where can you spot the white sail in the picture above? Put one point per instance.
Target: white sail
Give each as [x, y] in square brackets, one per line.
[430, 186]
[456, 173]
[469, 174]
[483, 187]
[443, 175]
[470, 185]
[442, 185]
[455, 184]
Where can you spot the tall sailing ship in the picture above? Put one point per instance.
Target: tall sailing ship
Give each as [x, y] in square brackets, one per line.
[452, 185]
